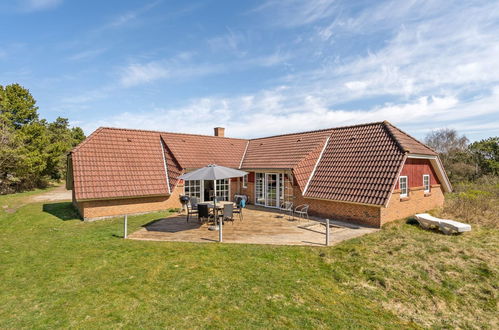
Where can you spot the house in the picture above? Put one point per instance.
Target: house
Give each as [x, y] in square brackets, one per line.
[368, 174]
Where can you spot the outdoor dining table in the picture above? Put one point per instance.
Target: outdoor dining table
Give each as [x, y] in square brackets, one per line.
[220, 206]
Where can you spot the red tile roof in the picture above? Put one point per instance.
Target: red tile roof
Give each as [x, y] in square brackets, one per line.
[282, 151]
[195, 151]
[113, 163]
[358, 164]
[304, 168]
[408, 143]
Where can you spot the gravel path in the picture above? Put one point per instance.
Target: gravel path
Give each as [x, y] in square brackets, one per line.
[58, 194]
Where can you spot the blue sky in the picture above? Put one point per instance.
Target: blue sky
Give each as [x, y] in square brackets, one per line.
[257, 67]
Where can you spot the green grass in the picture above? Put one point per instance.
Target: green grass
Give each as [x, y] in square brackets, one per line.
[56, 271]
[10, 202]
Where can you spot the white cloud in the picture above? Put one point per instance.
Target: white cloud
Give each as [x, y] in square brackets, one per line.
[232, 41]
[35, 5]
[294, 13]
[136, 74]
[269, 113]
[86, 54]
[129, 16]
[186, 66]
[436, 66]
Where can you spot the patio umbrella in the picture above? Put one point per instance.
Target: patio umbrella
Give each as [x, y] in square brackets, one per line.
[213, 172]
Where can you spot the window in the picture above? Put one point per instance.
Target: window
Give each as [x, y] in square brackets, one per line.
[223, 189]
[192, 188]
[403, 186]
[426, 183]
[245, 181]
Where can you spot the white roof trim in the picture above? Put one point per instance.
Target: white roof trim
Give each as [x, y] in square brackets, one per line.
[244, 155]
[437, 165]
[164, 164]
[315, 167]
[396, 181]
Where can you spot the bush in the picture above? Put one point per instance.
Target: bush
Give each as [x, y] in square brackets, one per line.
[476, 203]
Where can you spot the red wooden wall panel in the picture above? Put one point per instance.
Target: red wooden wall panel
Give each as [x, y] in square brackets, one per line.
[414, 170]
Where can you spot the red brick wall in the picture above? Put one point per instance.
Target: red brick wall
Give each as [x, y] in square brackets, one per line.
[348, 212]
[96, 209]
[416, 202]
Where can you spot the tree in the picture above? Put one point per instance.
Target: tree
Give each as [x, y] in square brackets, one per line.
[32, 151]
[62, 140]
[454, 153]
[9, 157]
[18, 105]
[445, 141]
[486, 154]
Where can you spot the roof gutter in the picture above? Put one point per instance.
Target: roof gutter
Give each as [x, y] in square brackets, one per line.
[340, 201]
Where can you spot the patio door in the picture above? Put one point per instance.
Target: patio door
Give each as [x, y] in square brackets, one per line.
[259, 188]
[271, 189]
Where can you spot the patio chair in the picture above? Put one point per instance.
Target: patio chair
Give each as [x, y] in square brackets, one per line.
[204, 213]
[239, 208]
[194, 202]
[287, 207]
[302, 211]
[228, 213]
[192, 207]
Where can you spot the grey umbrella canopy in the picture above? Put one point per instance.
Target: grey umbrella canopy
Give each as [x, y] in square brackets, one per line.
[213, 172]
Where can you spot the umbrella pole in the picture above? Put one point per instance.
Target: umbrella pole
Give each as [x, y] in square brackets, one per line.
[217, 218]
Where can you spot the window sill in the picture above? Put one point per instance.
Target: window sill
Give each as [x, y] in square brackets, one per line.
[404, 199]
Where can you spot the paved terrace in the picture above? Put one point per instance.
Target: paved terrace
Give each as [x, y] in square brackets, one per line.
[259, 226]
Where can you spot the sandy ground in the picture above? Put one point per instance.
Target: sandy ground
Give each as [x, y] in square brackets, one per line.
[58, 194]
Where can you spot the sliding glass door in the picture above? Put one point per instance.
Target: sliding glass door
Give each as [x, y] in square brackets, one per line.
[271, 189]
[268, 189]
[259, 188]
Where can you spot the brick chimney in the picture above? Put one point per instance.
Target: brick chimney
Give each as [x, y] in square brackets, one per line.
[219, 131]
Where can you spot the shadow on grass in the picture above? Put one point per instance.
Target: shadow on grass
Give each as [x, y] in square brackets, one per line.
[413, 222]
[63, 210]
[172, 224]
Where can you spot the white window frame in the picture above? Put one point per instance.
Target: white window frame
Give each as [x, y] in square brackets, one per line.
[245, 181]
[193, 188]
[402, 193]
[426, 186]
[222, 189]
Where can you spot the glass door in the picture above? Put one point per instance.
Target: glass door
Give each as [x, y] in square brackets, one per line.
[259, 189]
[271, 189]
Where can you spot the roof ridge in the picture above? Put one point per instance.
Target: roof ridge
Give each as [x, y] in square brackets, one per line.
[407, 134]
[386, 125]
[87, 139]
[166, 132]
[321, 130]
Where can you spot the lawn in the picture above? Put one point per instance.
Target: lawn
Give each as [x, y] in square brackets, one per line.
[57, 271]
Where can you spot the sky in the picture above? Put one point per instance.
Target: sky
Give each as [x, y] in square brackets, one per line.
[257, 68]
